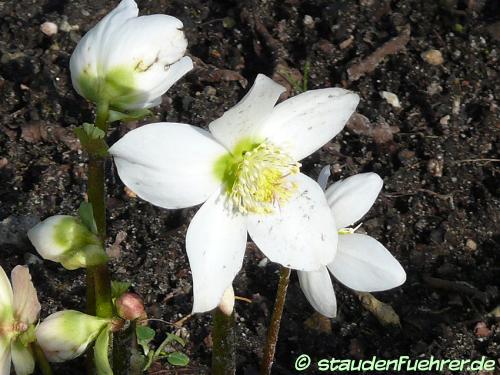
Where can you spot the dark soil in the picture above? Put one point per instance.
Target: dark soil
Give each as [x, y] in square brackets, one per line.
[437, 154]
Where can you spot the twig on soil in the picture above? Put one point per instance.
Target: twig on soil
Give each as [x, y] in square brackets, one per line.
[210, 73]
[448, 197]
[370, 63]
[244, 299]
[281, 71]
[384, 312]
[476, 161]
[460, 287]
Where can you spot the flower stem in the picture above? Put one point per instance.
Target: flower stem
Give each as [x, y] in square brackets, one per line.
[98, 279]
[274, 328]
[223, 351]
[43, 364]
[96, 195]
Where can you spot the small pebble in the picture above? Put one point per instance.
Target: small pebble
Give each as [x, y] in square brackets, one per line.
[471, 244]
[435, 166]
[444, 120]
[308, 21]
[49, 28]
[482, 330]
[434, 88]
[391, 98]
[433, 57]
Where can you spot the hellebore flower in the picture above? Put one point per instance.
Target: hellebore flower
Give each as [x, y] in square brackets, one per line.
[361, 262]
[129, 61]
[66, 240]
[246, 171]
[66, 334]
[19, 309]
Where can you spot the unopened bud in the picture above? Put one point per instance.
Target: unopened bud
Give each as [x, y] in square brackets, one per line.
[130, 306]
[65, 239]
[227, 301]
[67, 334]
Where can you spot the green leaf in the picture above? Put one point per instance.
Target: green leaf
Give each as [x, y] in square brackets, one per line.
[144, 337]
[86, 214]
[101, 353]
[118, 288]
[171, 337]
[128, 116]
[178, 359]
[92, 139]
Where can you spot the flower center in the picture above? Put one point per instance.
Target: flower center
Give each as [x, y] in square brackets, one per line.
[255, 177]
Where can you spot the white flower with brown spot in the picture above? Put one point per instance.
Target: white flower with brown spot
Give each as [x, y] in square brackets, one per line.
[129, 62]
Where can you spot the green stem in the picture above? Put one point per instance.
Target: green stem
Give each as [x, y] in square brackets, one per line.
[43, 364]
[96, 194]
[223, 351]
[274, 328]
[98, 279]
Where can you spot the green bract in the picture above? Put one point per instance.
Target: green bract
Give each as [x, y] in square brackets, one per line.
[117, 87]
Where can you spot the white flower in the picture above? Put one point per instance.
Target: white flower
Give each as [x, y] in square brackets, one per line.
[361, 262]
[19, 309]
[66, 334]
[130, 61]
[246, 170]
[66, 240]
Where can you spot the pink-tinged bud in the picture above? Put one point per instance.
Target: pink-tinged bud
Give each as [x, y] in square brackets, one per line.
[130, 306]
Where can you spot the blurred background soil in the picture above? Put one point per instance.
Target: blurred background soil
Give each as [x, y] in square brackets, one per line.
[432, 136]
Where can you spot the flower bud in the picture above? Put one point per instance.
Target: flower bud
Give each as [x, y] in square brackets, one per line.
[66, 240]
[130, 306]
[130, 61]
[227, 301]
[66, 334]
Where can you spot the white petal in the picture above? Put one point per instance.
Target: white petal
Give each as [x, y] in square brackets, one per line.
[22, 358]
[318, 289]
[26, 303]
[350, 199]
[6, 298]
[300, 233]
[323, 177]
[5, 356]
[364, 264]
[144, 41]
[246, 117]
[215, 243]
[151, 85]
[88, 54]
[168, 164]
[43, 238]
[306, 122]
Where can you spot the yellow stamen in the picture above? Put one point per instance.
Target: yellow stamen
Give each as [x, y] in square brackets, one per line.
[260, 179]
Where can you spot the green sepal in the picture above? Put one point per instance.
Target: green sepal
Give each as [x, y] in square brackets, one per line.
[88, 256]
[92, 139]
[138, 114]
[86, 213]
[178, 359]
[101, 350]
[118, 288]
[28, 336]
